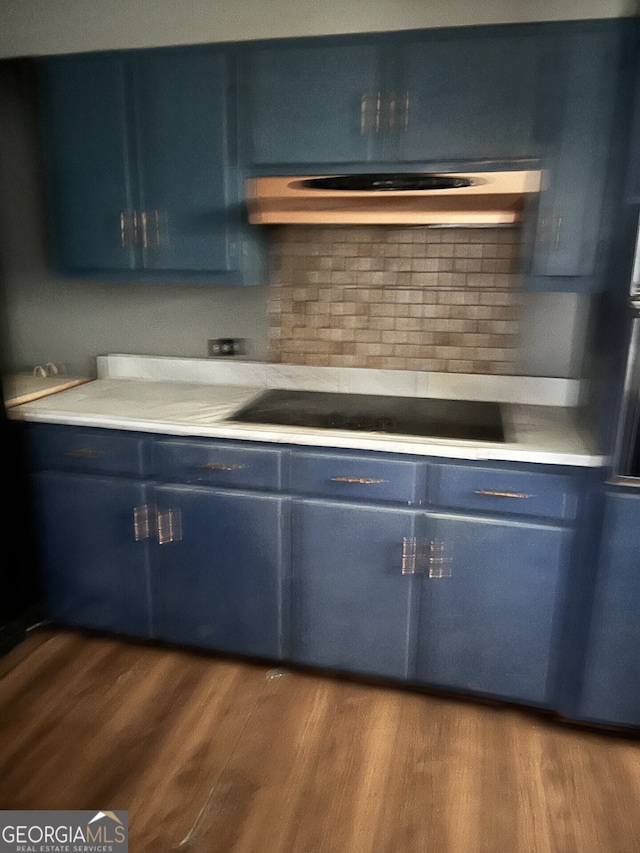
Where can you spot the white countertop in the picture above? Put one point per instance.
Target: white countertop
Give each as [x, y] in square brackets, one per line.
[547, 434]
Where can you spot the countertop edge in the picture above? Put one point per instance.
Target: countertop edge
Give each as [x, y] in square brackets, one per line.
[442, 448]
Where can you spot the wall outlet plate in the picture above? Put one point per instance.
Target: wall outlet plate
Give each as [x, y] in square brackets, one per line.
[226, 347]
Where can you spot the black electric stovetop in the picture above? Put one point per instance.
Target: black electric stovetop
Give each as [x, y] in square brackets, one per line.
[419, 416]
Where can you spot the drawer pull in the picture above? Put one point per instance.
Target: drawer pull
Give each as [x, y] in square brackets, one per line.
[489, 493]
[83, 453]
[219, 466]
[362, 481]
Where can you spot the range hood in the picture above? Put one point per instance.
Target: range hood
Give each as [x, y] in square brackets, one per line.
[443, 198]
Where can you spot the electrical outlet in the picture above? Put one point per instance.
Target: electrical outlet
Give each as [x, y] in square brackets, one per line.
[226, 347]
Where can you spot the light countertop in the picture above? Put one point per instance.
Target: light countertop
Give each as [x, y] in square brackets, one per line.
[548, 434]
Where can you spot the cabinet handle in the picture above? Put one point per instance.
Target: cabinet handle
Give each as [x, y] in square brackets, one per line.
[407, 105]
[409, 555]
[83, 453]
[439, 563]
[127, 229]
[219, 466]
[490, 493]
[143, 229]
[364, 109]
[558, 233]
[378, 110]
[363, 481]
[144, 518]
[169, 523]
[391, 119]
[154, 228]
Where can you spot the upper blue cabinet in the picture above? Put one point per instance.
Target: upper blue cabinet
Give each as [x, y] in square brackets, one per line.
[585, 74]
[440, 95]
[141, 166]
[465, 96]
[314, 101]
[550, 96]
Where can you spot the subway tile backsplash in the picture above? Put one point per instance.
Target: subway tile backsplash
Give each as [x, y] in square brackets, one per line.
[443, 299]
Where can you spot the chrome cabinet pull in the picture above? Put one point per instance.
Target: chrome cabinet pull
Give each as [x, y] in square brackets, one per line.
[135, 227]
[83, 453]
[144, 522]
[169, 522]
[122, 229]
[391, 117]
[364, 109]
[440, 564]
[378, 111]
[218, 466]
[558, 233]
[407, 105]
[363, 481]
[128, 229]
[490, 493]
[154, 229]
[143, 229]
[409, 552]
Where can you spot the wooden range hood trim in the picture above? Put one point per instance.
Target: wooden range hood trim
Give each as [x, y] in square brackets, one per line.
[496, 198]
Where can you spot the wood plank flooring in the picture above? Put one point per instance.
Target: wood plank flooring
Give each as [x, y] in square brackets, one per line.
[217, 756]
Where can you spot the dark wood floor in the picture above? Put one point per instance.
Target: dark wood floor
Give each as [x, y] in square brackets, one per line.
[220, 757]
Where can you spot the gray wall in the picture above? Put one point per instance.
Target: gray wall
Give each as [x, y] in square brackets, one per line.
[35, 27]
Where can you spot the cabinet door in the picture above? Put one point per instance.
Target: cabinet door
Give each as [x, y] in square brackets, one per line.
[488, 604]
[352, 606]
[88, 154]
[181, 111]
[466, 97]
[569, 217]
[219, 583]
[315, 103]
[95, 574]
[612, 678]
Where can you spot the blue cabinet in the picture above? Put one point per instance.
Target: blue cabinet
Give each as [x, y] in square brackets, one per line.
[352, 606]
[611, 691]
[466, 95]
[311, 101]
[448, 575]
[438, 96]
[589, 95]
[142, 169]
[468, 601]
[95, 571]
[218, 578]
[489, 599]
[89, 164]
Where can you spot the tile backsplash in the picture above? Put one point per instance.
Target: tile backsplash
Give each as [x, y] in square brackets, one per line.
[437, 299]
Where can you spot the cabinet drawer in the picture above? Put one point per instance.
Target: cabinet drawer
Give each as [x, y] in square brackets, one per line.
[503, 490]
[218, 464]
[360, 477]
[86, 451]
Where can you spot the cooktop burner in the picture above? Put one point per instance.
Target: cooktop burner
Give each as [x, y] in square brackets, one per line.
[419, 416]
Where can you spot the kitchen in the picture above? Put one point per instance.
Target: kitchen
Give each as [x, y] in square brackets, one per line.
[555, 342]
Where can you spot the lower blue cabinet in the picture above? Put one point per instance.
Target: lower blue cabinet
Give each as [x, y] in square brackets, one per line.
[611, 691]
[217, 577]
[351, 603]
[95, 572]
[489, 596]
